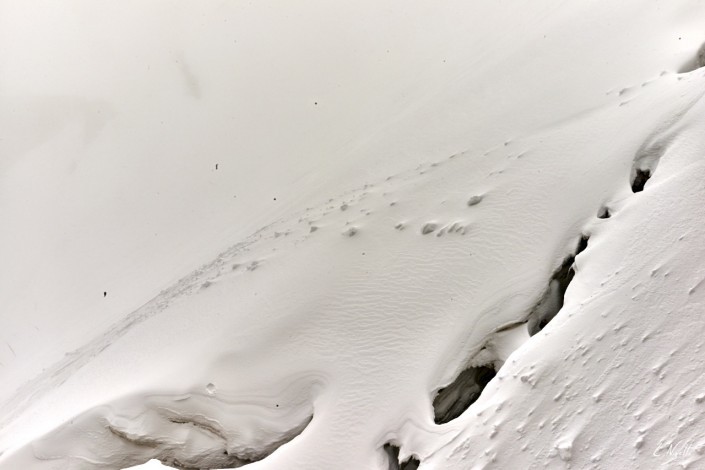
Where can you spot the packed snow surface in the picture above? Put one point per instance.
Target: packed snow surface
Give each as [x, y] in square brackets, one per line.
[352, 235]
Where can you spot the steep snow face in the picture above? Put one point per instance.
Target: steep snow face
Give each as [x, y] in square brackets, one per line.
[624, 353]
[380, 196]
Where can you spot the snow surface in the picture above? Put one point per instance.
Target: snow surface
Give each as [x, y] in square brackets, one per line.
[274, 230]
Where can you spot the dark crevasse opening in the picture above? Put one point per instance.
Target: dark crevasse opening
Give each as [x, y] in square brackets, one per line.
[552, 299]
[392, 451]
[646, 161]
[640, 179]
[451, 401]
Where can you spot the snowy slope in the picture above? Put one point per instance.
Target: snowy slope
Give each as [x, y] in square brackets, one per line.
[395, 186]
[616, 380]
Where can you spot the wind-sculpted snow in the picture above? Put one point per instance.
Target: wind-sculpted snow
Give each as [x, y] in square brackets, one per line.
[381, 322]
[529, 299]
[186, 431]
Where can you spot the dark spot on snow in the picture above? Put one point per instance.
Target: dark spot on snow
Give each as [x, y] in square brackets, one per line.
[105, 294]
[392, 451]
[604, 213]
[553, 297]
[451, 401]
[216, 166]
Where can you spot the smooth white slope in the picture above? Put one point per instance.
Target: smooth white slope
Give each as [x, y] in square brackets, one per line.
[368, 326]
[116, 114]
